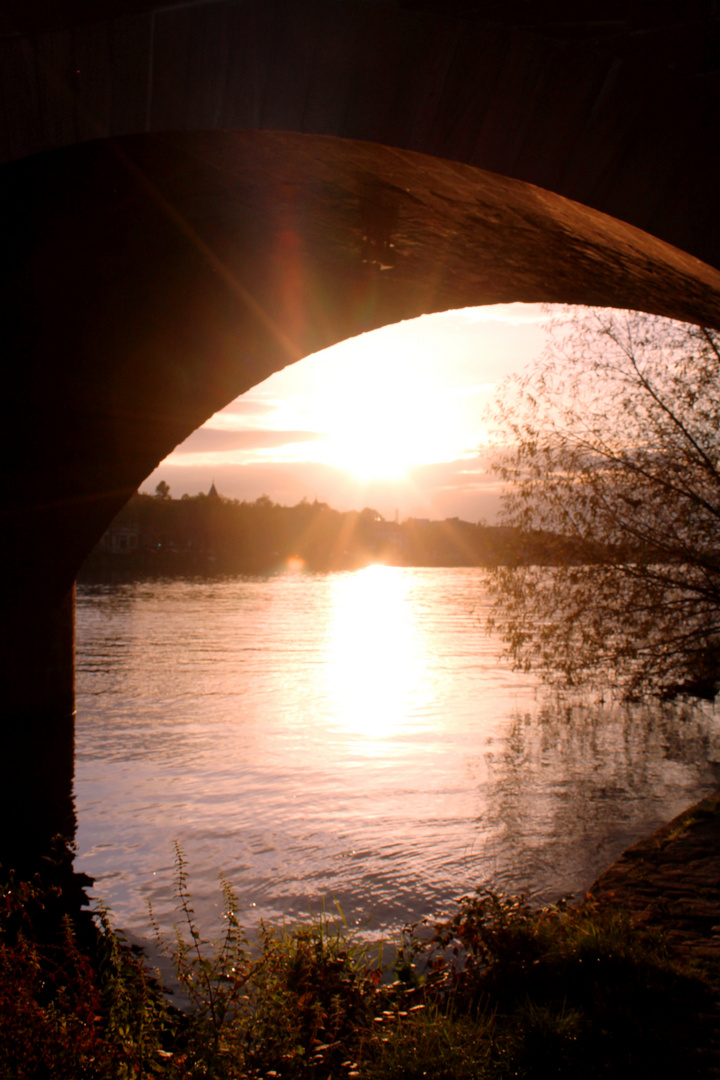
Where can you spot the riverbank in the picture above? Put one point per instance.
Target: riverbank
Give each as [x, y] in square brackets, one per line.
[670, 882]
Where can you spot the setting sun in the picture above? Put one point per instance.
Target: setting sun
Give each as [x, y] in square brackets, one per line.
[373, 435]
[384, 404]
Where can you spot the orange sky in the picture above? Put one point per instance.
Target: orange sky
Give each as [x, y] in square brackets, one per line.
[392, 419]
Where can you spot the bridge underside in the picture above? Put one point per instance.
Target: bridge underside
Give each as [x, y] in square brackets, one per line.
[153, 278]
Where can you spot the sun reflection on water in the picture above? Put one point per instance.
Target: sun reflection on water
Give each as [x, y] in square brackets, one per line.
[348, 736]
[375, 657]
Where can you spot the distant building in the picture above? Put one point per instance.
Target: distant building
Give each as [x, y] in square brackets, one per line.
[389, 539]
[121, 539]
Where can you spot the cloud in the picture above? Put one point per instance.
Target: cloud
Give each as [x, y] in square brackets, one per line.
[209, 440]
[249, 405]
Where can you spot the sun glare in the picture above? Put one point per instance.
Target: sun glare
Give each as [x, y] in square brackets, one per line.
[384, 410]
[383, 448]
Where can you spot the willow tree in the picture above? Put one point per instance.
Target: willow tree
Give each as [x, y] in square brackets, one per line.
[612, 439]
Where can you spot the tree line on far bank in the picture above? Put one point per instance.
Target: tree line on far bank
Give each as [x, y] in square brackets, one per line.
[207, 533]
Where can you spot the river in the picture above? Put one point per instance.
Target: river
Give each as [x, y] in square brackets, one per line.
[348, 738]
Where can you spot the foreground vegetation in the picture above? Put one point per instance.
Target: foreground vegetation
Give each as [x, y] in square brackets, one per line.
[494, 990]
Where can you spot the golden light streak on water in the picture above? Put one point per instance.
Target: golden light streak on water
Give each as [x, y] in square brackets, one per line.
[375, 655]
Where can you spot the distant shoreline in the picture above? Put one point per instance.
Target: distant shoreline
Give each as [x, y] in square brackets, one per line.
[207, 535]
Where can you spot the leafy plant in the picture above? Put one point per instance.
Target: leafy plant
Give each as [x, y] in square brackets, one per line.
[71, 1005]
[296, 1001]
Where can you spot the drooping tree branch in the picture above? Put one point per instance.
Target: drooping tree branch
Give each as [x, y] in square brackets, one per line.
[613, 439]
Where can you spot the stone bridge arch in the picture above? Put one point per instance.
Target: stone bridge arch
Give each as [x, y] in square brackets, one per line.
[196, 194]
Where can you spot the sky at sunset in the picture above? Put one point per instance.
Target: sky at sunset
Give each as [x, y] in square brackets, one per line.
[393, 419]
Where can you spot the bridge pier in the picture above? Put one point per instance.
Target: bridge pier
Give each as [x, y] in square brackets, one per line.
[37, 709]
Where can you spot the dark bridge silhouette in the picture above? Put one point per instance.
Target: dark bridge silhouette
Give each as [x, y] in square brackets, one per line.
[197, 194]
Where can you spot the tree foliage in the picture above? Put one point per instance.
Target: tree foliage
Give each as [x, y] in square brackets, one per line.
[613, 440]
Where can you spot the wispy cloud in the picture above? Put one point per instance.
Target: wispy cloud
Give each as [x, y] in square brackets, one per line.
[212, 440]
[244, 405]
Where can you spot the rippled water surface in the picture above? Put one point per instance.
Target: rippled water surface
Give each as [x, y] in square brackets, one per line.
[351, 737]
